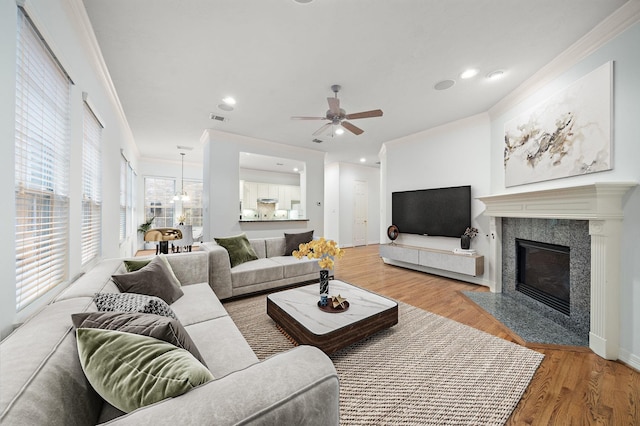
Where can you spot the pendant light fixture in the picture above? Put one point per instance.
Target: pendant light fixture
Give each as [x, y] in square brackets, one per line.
[182, 195]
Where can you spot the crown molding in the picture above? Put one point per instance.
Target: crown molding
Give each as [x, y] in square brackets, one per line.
[99, 65]
[605, 31]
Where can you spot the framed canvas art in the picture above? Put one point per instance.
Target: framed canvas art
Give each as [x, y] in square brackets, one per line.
[566, 135]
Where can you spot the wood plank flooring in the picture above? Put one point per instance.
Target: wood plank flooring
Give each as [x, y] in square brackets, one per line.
[573, 386]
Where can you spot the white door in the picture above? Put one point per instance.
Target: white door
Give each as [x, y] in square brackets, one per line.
[360, 213]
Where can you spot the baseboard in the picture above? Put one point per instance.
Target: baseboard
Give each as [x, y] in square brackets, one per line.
[629, 359]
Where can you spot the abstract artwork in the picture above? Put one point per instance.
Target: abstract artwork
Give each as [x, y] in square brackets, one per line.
[566, 135]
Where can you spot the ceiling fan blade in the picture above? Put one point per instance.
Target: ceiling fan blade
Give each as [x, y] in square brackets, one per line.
[365, 114]
[308, 118]
[334, 105]
[353, 129]
[322, 129]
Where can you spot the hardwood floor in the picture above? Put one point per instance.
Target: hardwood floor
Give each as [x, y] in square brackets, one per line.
[572, 386]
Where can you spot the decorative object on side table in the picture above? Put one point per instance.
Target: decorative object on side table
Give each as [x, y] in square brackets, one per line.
[465, 239]
[325, 251]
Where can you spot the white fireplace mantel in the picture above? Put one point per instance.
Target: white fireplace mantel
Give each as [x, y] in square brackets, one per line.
[601, 205]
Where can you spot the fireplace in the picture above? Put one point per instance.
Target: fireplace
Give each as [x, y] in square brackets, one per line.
[600, 206]
[542, 273]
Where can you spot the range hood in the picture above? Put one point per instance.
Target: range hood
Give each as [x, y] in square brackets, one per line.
[267, 200]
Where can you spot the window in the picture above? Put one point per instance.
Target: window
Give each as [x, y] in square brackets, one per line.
[91, 186]
[42, 148]
[192, 209]
[158, 193]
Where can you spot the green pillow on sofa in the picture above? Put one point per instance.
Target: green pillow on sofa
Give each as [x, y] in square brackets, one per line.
[131, 371]
[239, 249]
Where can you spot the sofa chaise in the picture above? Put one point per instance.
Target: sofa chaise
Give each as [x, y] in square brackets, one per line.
[43, 382]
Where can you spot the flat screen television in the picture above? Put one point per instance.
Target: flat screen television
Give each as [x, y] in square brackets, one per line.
[444, 212]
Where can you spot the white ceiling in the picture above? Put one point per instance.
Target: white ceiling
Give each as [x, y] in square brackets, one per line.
[172, 62]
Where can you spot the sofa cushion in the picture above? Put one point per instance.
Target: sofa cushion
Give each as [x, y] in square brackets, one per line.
[130, 302]
[159, 327]
[294, 267]
[198, 304]
[293, 241]
[223, 347]
[239, 249]
[154, 279]
[131, 371]
[256, 271]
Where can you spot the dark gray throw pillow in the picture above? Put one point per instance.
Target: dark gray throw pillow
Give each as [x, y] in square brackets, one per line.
[162, 328]
[130, 302]
[292, 241]
[154, 279]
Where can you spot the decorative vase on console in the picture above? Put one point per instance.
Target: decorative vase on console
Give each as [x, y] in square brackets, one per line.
[465, 239]
[325, 251]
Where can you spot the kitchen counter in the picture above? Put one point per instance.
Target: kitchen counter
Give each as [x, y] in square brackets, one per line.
[272, 220]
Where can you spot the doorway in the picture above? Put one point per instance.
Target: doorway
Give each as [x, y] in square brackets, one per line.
[360, 201]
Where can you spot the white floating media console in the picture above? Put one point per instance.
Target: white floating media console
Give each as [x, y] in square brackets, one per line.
[434, 258]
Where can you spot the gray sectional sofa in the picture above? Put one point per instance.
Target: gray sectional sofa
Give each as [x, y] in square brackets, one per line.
[43, 382]
[271, 270]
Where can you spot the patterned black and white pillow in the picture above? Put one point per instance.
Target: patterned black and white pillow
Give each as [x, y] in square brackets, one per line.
[131, 302]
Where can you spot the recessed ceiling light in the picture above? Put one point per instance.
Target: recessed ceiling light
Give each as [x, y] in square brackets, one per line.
[295, 169]
[303, 1]
[444, 84]
[495, 75]
[225, 107]
[362, 160]
[339, 131]
[471, 72]
[229, 100]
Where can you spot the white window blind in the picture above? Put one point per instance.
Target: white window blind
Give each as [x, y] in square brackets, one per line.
[91, 186]
[123, 198]
[42, 167]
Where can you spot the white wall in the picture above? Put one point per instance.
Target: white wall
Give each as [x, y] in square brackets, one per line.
[263, 176]
[63, 25]
[455, 154]
[221, 162]
[471, 151]
[625, 52]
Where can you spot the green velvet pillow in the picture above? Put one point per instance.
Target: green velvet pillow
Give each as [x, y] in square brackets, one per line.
[239, 249]
[131, 371]
[154, 279]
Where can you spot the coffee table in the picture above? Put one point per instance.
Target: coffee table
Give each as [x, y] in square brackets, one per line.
[296, 311]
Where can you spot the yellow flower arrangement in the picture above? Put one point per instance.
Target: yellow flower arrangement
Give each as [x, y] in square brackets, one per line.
[323, 250]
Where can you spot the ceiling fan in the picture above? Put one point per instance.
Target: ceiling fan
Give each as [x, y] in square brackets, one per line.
[338, 117]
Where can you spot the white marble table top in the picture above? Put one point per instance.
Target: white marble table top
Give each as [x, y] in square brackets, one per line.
[301, 303]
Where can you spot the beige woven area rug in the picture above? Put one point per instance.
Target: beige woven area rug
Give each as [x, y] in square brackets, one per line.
[427, 370]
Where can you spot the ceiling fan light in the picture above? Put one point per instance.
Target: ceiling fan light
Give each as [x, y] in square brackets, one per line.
[339, 131]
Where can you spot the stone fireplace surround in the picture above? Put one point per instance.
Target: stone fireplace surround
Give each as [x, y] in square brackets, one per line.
[601, 205]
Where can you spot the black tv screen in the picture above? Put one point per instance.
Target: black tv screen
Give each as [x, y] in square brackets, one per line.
[444, 212]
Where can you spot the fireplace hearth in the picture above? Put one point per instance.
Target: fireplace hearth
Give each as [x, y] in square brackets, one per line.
[548, 260]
